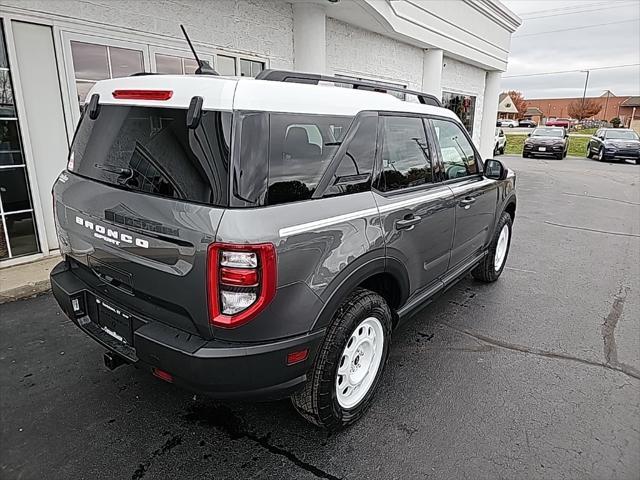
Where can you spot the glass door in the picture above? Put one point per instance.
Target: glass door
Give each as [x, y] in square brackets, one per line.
[17, 224]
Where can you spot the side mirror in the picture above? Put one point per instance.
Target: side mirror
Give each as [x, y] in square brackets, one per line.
[528, 134]
[495, 170]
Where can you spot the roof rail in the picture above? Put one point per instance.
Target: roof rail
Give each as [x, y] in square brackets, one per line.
[314, 79]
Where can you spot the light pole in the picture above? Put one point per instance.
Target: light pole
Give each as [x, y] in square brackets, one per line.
[584, 93]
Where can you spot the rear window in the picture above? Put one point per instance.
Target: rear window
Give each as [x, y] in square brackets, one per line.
[151, 150]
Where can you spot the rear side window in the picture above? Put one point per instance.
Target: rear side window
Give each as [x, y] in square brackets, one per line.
[151, 150]
[406, 161]
[300, 148]
[353, 173]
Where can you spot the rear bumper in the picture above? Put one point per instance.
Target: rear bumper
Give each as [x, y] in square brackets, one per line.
[216, 368]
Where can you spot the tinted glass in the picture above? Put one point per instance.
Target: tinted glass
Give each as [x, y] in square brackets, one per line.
[457, 154]
[464, 106]
[405, 154]
[354, 171]
[300, 147]
[151, 150]
[621, 135]
[251, 165]
[548, 132]
[22, 234]
[125, 62]
[14, 190]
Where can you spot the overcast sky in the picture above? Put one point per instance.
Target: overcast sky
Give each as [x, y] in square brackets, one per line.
[607, 42]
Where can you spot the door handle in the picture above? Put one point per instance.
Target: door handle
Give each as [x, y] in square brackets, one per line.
[467, 202]
[408, 223]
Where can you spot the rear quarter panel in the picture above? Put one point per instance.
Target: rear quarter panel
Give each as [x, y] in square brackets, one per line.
[315, 241]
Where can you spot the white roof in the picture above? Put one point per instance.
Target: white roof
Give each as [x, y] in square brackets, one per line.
[242, 93]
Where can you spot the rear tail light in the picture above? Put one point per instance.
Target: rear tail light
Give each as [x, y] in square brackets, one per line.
[143, 94]
[241, 282]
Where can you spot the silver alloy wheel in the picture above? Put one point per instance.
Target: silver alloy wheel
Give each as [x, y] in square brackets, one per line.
[601, 154]
[359, 362]
[501, 248]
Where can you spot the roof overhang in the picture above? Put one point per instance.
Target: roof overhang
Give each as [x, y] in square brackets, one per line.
[477, 32]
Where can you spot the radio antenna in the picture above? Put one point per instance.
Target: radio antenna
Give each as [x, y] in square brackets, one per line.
[203, 66]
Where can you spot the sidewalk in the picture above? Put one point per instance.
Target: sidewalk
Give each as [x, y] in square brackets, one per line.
[21, 281]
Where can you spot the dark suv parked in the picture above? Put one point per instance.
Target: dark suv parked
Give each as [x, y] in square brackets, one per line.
[614, 144]
[263, 238]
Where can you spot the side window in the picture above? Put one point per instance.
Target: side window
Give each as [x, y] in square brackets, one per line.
[405, 154]
[353, 174]
[458, 157]
[300, 148]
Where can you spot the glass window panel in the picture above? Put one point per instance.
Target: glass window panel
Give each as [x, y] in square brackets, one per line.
[458, 157]
[22, 233]
[7, 109]
[83, 89]
[3, 51]
[462, 105]
[168, 64]
[405, 154]
[13, 190]
[125, 62]
[256, 68]
[11, 158]
[190, 66]
[226, 65]
[9, 136]
[245, 68]
[90, 61]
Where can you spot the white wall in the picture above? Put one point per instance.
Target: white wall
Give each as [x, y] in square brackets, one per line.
[352, 50]
[459, 77]
[251, 26]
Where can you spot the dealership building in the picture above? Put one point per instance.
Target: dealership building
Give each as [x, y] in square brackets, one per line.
[53, 51]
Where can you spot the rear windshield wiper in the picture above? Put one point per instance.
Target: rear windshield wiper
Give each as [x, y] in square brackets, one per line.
[113, 169]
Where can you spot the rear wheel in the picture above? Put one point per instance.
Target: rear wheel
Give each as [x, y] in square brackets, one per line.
[349, 365]
[493, 263]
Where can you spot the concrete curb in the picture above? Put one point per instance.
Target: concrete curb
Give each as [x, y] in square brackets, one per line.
[25, 291]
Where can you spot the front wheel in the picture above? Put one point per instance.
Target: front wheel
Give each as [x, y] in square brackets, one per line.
[601, 155]
[349, 365]
[493, 263]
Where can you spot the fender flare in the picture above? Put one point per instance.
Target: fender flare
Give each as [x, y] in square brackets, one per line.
[368, 265]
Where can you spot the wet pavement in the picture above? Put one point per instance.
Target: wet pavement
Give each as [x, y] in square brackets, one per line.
[535, 376]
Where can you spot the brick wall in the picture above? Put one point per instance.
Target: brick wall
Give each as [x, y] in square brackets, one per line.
[558, 107]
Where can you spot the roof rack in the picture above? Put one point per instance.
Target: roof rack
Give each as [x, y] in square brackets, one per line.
[314, 79]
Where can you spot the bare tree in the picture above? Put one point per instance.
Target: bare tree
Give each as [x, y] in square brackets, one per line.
[581, 110]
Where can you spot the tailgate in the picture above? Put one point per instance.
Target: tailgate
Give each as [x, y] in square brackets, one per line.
[141, 202]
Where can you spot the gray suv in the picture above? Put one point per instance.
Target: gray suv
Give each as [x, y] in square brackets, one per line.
[262, 238]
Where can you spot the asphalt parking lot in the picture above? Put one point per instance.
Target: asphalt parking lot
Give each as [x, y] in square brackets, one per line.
[535, 376]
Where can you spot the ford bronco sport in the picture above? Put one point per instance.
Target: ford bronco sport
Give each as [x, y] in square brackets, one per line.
[262, 238]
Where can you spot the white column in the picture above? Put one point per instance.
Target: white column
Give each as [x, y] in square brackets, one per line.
[432, 72]
[309, 37]
[489, 113]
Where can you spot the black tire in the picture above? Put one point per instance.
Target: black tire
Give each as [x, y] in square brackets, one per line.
[317, 401]
[502, 151]
[560, 156]
[588, 151]
[525, 155]
[485, 271]
[601, 157]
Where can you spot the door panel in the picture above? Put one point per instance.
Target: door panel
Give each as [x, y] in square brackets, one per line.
[475, 206]
[424, 246]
